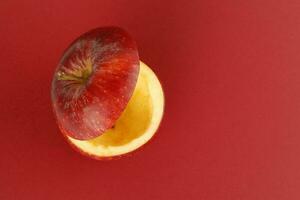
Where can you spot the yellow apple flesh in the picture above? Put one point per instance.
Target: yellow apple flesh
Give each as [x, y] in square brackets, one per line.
[137, 124]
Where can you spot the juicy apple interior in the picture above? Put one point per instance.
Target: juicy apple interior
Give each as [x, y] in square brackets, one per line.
[106, 101]
[137, 124]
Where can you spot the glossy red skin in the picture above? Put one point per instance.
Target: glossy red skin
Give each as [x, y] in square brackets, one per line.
[86, 112]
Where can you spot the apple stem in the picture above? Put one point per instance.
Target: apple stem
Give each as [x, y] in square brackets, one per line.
[79, 72]
[68, 77]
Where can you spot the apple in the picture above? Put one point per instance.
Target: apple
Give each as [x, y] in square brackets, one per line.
[106, 102]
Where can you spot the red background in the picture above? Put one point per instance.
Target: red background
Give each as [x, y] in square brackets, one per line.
[231, 75]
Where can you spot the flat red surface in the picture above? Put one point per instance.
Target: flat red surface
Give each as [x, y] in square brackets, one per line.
[231, 75]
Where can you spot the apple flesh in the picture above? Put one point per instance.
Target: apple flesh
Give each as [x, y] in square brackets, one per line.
[135, 127]
[94, 81]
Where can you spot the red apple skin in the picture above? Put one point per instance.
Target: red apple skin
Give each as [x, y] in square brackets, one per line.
[94, 81]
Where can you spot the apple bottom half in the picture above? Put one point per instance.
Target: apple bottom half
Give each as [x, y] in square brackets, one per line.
[135, 127]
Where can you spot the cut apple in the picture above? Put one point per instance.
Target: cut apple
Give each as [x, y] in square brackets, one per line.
[137, 124]
[106, 102]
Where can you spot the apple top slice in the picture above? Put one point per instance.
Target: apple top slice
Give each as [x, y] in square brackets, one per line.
[94, 81]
